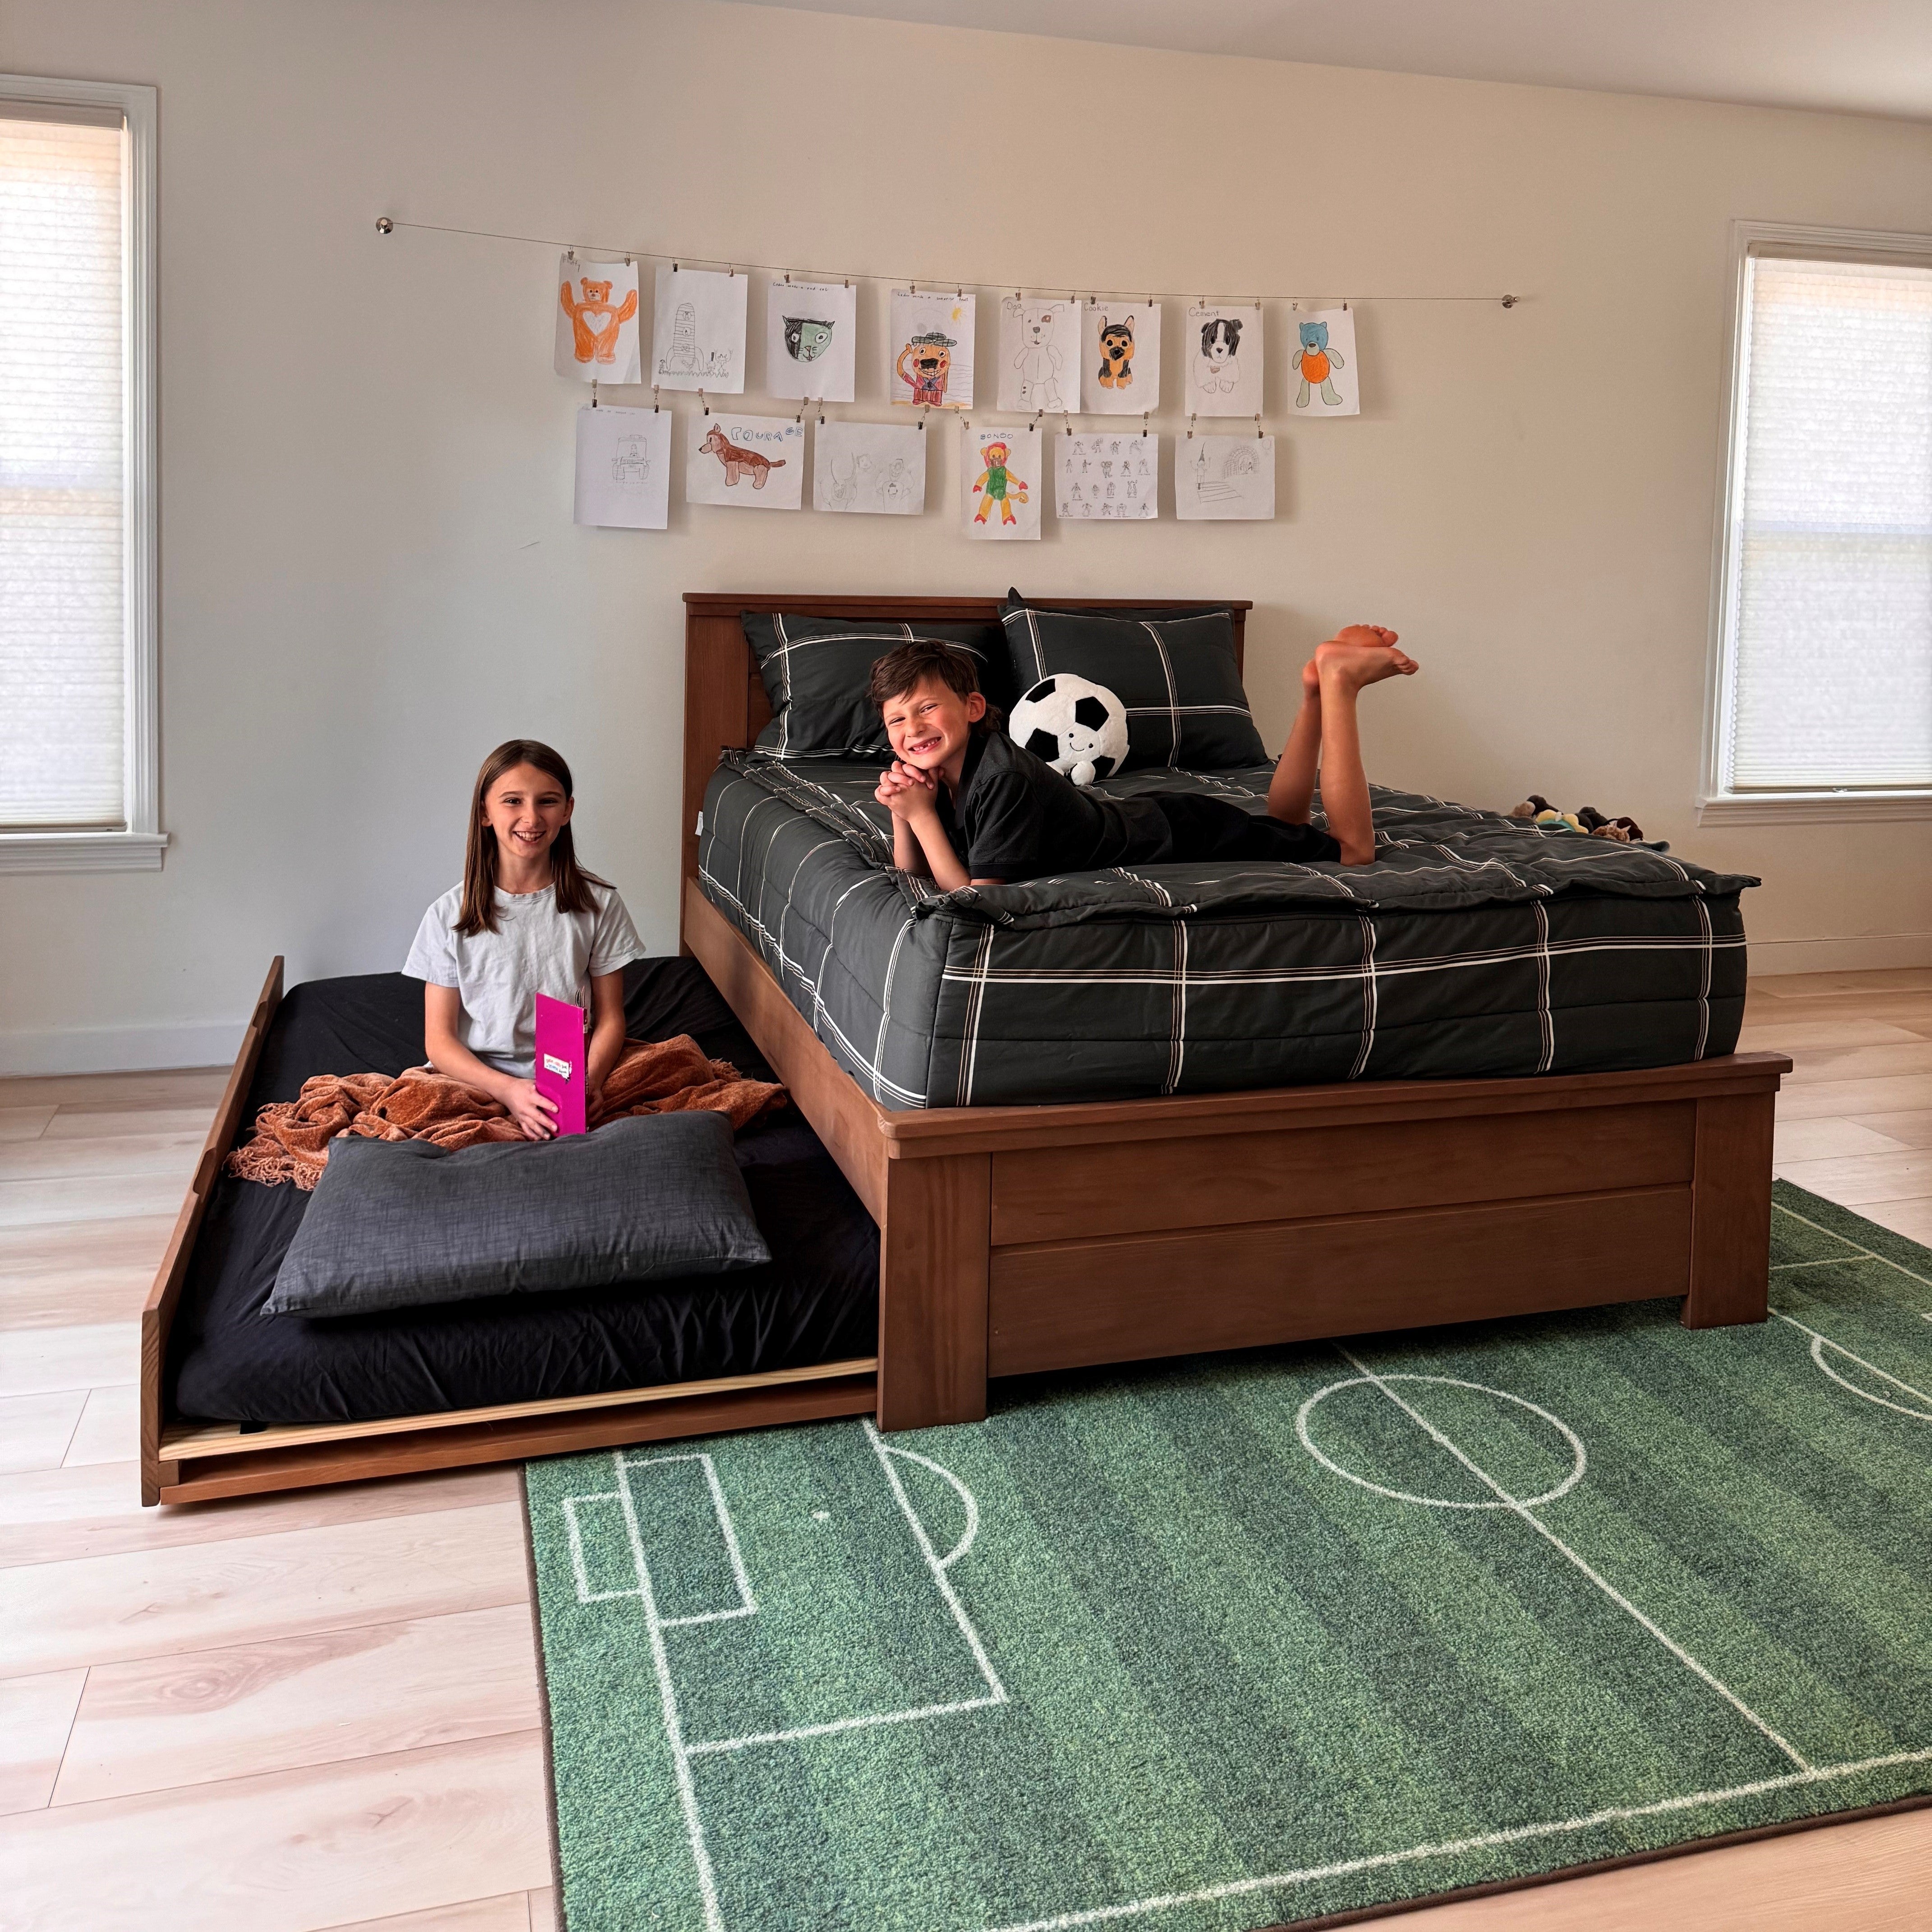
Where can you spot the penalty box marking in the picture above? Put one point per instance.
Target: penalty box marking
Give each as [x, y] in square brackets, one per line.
[682, 1751]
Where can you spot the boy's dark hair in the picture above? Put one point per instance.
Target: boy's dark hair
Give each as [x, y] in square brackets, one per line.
[898, 671]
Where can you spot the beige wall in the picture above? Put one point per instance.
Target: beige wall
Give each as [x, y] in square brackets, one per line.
[369, 574]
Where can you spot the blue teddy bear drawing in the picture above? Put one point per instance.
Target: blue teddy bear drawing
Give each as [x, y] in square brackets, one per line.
[1314, 358]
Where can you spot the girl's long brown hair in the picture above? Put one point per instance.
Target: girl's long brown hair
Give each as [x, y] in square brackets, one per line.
[572, 883]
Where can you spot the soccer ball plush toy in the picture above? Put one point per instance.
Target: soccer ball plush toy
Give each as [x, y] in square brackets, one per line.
[1077, 727]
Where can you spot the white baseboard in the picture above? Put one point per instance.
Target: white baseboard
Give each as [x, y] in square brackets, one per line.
[1874, 952]
[138, 1049]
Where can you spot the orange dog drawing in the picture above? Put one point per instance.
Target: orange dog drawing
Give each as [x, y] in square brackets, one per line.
[595, 322]
[735, 458]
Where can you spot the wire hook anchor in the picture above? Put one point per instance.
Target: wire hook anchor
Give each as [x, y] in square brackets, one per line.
[384, 226]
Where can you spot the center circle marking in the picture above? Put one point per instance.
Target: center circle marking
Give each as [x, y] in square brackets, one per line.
[1580, 1461]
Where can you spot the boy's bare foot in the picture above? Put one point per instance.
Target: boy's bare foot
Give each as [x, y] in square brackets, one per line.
[1363, 654]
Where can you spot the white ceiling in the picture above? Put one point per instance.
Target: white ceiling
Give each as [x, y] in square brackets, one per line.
[1858, 56]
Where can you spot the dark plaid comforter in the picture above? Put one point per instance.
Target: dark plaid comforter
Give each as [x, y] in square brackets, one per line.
[1476, 945]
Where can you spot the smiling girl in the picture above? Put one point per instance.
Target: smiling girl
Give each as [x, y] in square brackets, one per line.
[526, 919]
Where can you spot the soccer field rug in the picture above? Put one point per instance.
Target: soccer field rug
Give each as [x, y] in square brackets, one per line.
[1245, 1640]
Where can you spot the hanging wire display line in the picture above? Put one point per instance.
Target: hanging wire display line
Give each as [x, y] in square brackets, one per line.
[388, 225]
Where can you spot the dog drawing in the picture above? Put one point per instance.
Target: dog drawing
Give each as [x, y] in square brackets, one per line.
[1220, 342]
[1117, 353]
[735, 458]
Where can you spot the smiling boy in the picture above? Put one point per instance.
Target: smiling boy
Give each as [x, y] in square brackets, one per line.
[970, 807]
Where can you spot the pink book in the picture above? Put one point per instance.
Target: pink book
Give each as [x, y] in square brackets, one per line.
[561, 1053]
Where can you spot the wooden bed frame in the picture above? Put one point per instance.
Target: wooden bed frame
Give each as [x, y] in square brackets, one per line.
[1017, 1239]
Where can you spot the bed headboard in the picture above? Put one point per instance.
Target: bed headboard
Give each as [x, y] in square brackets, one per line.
[724, 704]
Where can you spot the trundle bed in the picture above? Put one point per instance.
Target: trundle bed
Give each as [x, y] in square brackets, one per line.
[1014, 1239]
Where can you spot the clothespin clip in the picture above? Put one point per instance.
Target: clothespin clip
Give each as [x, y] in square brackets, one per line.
[593, 392]
[627, 261]
[923, 414]
[1294, 308]
[1191, 421]
[959, 292]
[654, 399]
[912, 288]
[570, 254]
[673, 268]
[1067, 417]
[787, 276]
[1257, 428]
[707, 407]
[731, 271]
[800, 416]
[1144, 414]
[821, 415]
[1345, 304]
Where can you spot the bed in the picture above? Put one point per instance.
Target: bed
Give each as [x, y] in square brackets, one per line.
[233, 1402]
[1110, 1226]
[1145, 1219]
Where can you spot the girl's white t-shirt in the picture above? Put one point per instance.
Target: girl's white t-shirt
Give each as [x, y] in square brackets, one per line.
[535, 949]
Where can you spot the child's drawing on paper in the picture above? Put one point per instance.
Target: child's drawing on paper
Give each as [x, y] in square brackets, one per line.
[699, 339]
[874, 469]
[930, 345]
[596, 332]
[756, 462]
[1120, 359]
[623, 468]
[811, 329]
[999, 477]
[1224, 358]
[1111, 478]
[1224, 479]
[1039, 355]
[1324, 360]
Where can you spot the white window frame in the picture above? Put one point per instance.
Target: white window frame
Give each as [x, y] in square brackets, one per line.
[1716, 800]
[139, 846]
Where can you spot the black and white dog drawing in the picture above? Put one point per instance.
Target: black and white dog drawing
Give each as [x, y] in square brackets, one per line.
[1220, 342]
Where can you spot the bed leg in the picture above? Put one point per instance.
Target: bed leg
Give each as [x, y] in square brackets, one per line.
[1730, 1212]
[934, 1250]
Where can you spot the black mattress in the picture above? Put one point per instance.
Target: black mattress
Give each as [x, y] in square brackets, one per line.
[817, 1301]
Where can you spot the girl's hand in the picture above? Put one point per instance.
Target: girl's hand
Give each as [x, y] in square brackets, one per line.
[535, 1115]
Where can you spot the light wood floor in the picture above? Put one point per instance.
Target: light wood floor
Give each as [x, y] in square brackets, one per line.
[321, 1710]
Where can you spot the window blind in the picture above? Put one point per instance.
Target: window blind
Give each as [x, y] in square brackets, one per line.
[1832, 671]
[63, 648]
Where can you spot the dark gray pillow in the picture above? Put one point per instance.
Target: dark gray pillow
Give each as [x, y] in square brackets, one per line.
[403, 1224]
[1176, 676]
[815, 671]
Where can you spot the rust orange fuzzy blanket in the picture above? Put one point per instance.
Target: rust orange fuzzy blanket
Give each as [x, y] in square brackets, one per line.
[291, 1138]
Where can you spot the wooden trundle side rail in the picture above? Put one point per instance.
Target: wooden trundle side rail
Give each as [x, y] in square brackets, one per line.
[1183, 1224]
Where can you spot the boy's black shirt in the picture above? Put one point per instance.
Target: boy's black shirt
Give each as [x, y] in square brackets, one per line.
[1016, 818]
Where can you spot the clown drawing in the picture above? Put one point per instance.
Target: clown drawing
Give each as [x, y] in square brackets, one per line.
[998, 485]
[930, 356]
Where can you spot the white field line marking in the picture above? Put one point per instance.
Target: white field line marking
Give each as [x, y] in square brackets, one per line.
[1819, 1343]
[585, 1594]
[1510, 1834]
[1542, 1529]
[996, 1691]
[747, 1605]
[687, 1792]
[1579, 1456]
[884, 1454]
[1833, 1235]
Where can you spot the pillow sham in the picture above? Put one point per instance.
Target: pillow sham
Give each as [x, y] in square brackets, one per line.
[405, 1224]
[815, 670]
[1175, 674]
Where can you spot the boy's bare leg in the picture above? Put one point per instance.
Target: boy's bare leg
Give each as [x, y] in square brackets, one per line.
[1361, 654]
[1291, 790]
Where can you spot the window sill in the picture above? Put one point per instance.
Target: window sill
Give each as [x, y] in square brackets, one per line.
[82, 851]
[1812, 807]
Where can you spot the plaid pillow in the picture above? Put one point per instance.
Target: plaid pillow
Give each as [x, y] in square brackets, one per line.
[1176, 676]
[815, 670]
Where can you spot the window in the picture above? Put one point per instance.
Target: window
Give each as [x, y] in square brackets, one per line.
[79, 778]
[1822, 698]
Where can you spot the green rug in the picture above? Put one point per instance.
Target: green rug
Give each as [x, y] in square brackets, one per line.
[1245, 1640]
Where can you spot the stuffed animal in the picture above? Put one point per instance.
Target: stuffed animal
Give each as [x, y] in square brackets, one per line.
[1539, 811]
[1077, 727]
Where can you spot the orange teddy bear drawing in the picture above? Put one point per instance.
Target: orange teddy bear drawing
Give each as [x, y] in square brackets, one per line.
[595, 322]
